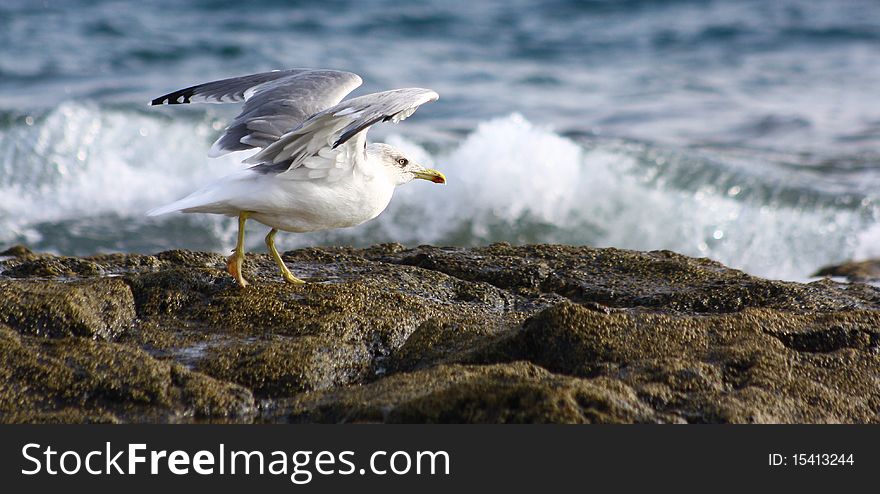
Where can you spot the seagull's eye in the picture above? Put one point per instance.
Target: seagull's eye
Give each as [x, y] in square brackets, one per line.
[402, 161]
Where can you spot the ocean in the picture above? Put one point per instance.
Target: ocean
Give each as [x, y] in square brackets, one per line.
[743, 131]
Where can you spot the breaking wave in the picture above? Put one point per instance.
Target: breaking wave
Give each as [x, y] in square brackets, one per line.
[77, 179]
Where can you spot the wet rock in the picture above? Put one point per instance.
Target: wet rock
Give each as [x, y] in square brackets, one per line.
[303, 338]
[759, 365]
[94, 308]
[659, 280]
[853, 270]
[286, 367]
[81, 380]
[506, 393]
[538, 333]
[47, 266]
[16, 251]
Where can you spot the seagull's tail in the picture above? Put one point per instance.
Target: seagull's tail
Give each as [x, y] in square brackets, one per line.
[217, 198]
[168, 208]
[202, 201]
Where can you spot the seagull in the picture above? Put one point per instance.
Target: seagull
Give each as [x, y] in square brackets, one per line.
[313, 169]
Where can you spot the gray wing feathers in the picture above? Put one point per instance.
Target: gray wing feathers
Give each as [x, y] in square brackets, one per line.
[278, 106]
[230, 90]
[336, 125]
[275, 102]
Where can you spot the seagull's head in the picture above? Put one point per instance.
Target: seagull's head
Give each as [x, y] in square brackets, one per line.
[400, 168]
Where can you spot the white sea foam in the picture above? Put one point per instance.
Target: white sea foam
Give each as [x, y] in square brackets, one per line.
[508, 180]
[83, 161]
[607, 196]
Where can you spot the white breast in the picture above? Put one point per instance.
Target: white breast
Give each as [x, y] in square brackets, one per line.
[319, 204]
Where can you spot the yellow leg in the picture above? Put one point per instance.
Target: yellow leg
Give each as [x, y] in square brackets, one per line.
[270, 244]
[233, 264]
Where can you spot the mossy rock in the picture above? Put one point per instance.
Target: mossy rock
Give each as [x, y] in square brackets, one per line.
[536, 333]
[518, 392]
[660, 280]
[77, 379]
[16, 251]
[285, 367]
[867, 270]
[95, 308]
[759, 365]
[48, 266]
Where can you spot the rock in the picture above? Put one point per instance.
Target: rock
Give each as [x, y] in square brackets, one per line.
[322, 335]
[853, 270]
[759, 365]
[505, 393]
[660, 280]
[538, 333]
[286, 367]
[47, 266]
[95, 308]
[16, 251]
[81, 380]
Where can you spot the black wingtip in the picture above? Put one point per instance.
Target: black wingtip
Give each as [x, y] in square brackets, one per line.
[181, 97]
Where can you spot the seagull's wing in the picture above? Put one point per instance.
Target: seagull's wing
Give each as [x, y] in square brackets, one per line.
[330, 142]
[274, 103]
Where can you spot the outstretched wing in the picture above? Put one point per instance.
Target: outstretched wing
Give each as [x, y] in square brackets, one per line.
[332, 140]
[274, 103]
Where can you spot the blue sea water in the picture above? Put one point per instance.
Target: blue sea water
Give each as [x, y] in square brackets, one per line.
[744, 131]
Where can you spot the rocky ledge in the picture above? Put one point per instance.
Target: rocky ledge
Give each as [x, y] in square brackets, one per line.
[863, 271]
[540, 333]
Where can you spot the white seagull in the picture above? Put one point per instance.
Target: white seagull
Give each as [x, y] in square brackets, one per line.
[314, 170]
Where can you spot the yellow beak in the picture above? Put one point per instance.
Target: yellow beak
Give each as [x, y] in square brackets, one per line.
[432, 175]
